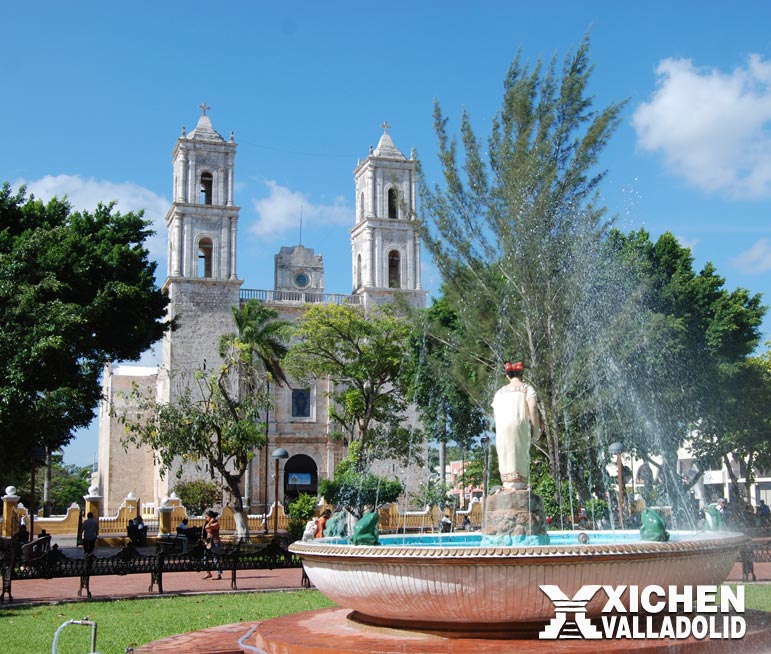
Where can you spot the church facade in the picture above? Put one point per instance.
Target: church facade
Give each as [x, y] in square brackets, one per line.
[203, 286]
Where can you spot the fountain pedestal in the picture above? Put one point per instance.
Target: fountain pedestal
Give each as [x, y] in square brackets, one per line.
[333, 631]
[514, 516]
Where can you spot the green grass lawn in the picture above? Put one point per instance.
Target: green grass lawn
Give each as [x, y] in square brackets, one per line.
[130, 623]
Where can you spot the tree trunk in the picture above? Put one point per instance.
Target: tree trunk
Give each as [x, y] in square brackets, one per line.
[442, 463]
[47, 482]
[239, 514]
[242, 525]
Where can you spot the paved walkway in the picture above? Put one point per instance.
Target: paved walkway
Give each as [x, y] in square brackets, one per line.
[28, 591]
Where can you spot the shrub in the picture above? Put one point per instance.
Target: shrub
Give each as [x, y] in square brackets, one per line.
[197, 495]
[300, 511]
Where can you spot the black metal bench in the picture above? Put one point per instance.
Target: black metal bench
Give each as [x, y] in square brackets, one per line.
[55, 564]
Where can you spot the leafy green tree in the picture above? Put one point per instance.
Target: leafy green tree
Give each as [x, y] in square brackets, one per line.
[358, 491]
[366, 358]
[440, 387]
[688, 349]
[301, 510]
[517, 238]
[68, 484]
[197, 495]
[262, 337]
[432, 493]
[76, 291]
[745, 433]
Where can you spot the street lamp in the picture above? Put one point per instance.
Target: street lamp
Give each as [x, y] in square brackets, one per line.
[616, 449]
[277, 454]
[37, 455]
[485, 441]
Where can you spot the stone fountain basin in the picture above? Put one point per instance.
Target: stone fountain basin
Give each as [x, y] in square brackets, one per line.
[450, 582]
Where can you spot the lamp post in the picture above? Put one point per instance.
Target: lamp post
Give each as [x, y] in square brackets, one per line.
[37, 455]
[616, 449]
[277, 454]
[267, 440]
[485, 441]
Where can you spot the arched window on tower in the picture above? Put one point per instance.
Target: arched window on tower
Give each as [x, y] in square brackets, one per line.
[394, 269]
[361, 207]
[206, 188]
[204, 258]
[393, 203]
[358, 272]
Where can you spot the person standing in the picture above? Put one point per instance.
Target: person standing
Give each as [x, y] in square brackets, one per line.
[515, 411]
[321, 525]
[213, 543]
[89, 532]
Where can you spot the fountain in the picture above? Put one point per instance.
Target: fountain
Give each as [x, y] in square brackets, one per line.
[449, 592]
[513, 583]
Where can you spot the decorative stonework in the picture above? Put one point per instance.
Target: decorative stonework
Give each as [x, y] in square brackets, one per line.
[513, 517]
[473, 584]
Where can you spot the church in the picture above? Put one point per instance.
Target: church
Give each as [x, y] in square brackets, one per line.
[203, 285]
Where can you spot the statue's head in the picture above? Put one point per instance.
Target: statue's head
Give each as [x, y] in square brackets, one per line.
[514, 369]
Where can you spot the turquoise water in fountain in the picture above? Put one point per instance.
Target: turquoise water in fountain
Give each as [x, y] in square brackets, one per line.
[474, 539]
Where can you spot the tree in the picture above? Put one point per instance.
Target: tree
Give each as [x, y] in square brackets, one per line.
[219, 422]
[356, 490]
[76, 291]
[366, 358]
[440, 386]
[518, 241]
[197, 495]
[685, 372]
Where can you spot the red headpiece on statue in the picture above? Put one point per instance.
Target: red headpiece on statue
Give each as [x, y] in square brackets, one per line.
[514, 367]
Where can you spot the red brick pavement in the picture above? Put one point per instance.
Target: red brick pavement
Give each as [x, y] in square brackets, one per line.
[174, 583]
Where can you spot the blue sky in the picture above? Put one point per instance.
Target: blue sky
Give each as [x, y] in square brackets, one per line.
[95, 94]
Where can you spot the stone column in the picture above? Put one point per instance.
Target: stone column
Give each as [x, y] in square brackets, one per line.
[233, 250]
[93, 501]
[368, 259]
[164, 517]
[417, 263]
[224, 250]
[176, 246]
[188, 258]
[371, 189]
[10, 501]
[129, 505]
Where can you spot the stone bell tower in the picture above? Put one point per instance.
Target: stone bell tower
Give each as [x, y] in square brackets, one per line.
[385, 241]
[202, 239]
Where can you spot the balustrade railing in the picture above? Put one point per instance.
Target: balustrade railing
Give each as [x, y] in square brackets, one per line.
[298, 297]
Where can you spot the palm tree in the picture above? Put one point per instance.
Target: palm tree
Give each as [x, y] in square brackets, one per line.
[260, 343]
[262, 336]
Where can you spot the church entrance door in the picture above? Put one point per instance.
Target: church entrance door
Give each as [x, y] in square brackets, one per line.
[300, 476]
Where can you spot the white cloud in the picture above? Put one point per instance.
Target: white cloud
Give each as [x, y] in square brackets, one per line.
[279, 212]
[689, 243]
[713, 128]
[85, 194]
[755, 260]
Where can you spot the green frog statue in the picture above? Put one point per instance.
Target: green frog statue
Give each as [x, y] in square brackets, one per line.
[365, 531]
[654, 527]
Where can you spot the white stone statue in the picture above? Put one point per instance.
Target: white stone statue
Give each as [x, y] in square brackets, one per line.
[515, 412]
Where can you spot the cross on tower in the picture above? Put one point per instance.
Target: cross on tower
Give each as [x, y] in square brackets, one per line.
[385, 126]
[203, 108]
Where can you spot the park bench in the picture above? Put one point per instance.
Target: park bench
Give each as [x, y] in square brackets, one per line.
[180, 542]
[54, 564]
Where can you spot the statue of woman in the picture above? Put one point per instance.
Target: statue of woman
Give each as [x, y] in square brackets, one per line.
[516, 418]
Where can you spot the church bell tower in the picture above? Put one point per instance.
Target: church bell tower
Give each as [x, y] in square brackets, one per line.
[202, 238]
[385, 241]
